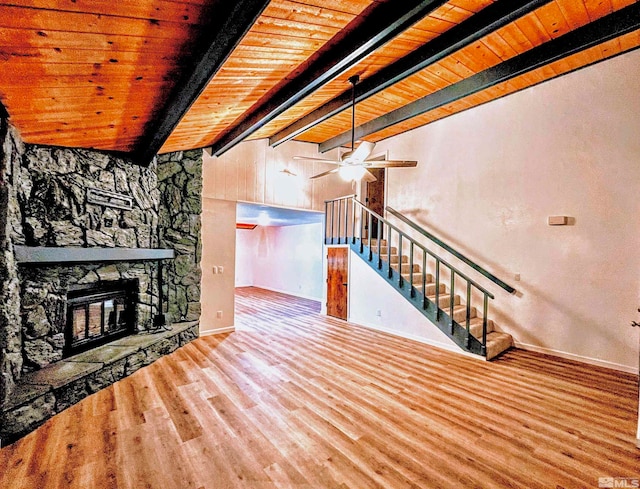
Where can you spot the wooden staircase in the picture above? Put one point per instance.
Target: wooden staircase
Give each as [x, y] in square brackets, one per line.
[496, 341]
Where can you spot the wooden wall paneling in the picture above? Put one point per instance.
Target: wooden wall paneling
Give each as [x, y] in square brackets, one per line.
[230, 179]
[261, 178]
[220, 175]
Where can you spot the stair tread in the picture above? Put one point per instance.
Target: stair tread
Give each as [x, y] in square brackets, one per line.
[498, 342]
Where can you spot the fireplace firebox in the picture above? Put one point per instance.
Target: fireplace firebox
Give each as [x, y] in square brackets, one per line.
[98, 313]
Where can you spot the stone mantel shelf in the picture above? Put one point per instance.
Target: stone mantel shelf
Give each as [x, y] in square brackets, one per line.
[42, 255]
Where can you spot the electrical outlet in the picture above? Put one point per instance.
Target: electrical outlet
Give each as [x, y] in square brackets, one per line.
[219, 314]
[220, 269]
[516, 277]
[379, 313]
[215, 270]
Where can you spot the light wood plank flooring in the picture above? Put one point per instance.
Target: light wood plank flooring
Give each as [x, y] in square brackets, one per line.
[296, 400]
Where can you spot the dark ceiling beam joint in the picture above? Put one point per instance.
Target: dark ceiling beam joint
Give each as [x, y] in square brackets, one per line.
[232, 21]
[384, 22]
[609, 27]
[4, 114]
[475, 28]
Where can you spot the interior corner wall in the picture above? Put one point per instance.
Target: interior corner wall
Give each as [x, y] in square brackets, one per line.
[488, 179]
[219, 256]
[285, 259]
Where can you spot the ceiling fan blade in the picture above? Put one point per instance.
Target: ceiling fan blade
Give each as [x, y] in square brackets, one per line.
[321, 160]
[324, 174]
[390, 164]
[360, 154]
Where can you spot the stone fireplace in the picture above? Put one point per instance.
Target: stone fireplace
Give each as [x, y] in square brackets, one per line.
[95, 253]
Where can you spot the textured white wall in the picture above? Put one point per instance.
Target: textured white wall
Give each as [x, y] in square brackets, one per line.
[373, 303]
[246, 240]
[487, 179]
[218, 249]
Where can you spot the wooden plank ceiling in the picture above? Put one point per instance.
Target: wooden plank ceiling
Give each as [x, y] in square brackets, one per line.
[109, 75]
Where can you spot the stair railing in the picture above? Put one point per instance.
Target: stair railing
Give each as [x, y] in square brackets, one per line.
[349, 222]
[451, 250]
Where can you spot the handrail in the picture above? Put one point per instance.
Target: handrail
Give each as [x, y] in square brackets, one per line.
[455, 253]
[430, 253]
[350, 196]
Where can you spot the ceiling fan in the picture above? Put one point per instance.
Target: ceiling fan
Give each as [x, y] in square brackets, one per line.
[354, 164]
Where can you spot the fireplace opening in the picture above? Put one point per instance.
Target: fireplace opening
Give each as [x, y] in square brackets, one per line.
[98, 313]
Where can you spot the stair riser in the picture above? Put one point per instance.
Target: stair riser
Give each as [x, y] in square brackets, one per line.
[374, 242]
[431, 287]
[445, 301]
[384, 251]
[476, 329]
[395, 259]
[461, 315]
[417, 278]
[406, 268]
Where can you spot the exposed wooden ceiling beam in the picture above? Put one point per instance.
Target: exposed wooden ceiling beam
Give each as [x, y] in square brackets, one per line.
[479, 25]
[613, 25]
[231, 21]
[383, 22]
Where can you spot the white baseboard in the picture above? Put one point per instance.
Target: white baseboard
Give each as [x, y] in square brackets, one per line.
[577, 358]
[209, 332]
[287, 292]
[419, 339]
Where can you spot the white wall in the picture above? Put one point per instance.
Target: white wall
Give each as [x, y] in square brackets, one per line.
[246, 245]
[375, 304]
[488, 178]
[218, 250]
[286, 259]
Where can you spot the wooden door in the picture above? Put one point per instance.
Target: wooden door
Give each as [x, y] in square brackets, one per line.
[337, 282]
[375, 198]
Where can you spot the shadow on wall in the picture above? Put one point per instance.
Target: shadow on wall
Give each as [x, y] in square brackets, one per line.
[551, 306]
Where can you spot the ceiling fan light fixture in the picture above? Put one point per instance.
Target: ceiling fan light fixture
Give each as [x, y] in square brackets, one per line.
[350, 173]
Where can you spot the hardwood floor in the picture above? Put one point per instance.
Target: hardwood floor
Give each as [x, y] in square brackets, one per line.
[296, 400]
